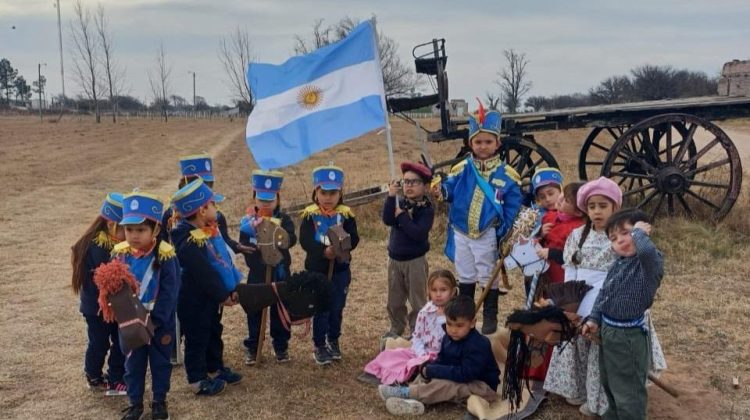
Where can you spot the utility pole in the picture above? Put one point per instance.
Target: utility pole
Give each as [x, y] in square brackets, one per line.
[194, 107]
[62, 67]
[39, 89]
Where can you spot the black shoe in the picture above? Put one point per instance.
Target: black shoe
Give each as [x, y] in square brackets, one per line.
[159, 410]
[96, 383]
[334, 350]
[250, 357]
[134, 412]
[322, 356]
[282, 356]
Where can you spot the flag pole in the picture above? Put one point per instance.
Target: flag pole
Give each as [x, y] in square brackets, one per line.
[389, 140]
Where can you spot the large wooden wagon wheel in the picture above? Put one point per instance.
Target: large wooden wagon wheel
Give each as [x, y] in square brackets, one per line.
[525, 156]
[676, 164]
[596, 148]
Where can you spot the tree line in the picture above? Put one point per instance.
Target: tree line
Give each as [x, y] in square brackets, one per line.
[645, 83]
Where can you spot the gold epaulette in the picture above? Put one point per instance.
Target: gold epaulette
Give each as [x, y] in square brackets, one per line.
[345, 211]
[104, 240]
[275, 220]
[310, 210]
[166, 251]
[512, 174]
[198, 237]
[121, 248]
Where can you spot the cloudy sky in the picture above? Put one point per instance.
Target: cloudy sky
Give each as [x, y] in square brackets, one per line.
[571, 45]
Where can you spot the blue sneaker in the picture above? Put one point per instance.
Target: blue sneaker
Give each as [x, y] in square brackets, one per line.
[211, 387]
[322, 356]
[388, 391]
[229, 376]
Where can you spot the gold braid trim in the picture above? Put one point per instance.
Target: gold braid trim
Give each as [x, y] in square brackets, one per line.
[104, 240]
[198, 237]
[310, 210]
[314, 209]
[166, 251]
[475, 212]
[345, 211]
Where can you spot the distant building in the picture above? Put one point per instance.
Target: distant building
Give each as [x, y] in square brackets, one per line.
[735, 78]
[35, 104]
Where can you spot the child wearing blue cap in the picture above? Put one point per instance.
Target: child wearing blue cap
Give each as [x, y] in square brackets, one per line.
[484, 195]
[191, 168]
[209, 279]
[327, 210]
[154, 266]
[267, 203]
[88, 253]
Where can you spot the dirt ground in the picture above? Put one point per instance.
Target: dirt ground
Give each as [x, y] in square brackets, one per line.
[55, 175]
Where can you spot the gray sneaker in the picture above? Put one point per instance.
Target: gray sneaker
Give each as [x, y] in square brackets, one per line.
[334, 350]
[404, 407]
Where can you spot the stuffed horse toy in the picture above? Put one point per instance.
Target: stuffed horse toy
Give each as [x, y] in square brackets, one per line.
[118, 301]
[522, 344]
[523, 255]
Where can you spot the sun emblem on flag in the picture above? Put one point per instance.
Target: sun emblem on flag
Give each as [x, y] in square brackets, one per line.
[310, 96]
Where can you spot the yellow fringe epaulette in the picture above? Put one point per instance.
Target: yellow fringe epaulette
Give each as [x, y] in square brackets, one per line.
[166, 251]
[314, 209]
[121, 248]
[104, 240]
[199, 237]
[512, 174]
[310, 210]
[345, 211]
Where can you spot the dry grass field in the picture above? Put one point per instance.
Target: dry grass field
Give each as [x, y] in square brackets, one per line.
[55, 175]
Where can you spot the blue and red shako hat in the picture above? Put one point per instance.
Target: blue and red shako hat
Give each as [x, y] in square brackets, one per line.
[138, 206]
[112, 207]
[190, 198]
[266, 184]
[328, 178]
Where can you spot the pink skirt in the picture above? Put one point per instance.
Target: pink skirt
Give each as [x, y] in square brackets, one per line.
[396, 365]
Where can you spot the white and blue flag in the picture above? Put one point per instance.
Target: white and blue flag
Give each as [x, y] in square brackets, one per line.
[316, 101]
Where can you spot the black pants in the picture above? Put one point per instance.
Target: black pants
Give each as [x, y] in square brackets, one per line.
[103, 338]
[204, 347]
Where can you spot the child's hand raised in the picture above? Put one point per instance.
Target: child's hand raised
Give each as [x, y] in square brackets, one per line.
[546, 228]
[590, 330]
[645, 227]
[393, 188]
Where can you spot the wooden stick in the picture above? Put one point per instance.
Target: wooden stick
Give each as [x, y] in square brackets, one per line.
[330, 269]
[669, 389]
[263, 321]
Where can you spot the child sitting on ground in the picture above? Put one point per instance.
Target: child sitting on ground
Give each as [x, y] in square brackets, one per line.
[620, 309]
[464, 366]
[399, 364]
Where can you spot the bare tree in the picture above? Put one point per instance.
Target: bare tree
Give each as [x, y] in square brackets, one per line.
[512, 79]
[159, 81]
[235, 53]
[85, 55]
[398, 78]
[492, 100]
[537, 103]
[112, 71]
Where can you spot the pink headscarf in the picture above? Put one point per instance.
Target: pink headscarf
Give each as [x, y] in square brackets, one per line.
[602, 186]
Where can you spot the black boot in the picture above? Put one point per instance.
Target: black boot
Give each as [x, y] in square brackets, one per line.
[489, 312]
[467, 289]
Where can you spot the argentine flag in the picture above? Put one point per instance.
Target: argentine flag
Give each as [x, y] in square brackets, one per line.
[316, 101]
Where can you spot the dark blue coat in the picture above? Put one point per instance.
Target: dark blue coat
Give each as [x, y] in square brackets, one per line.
[469, 359]
[95, 256]
[409, 238]
[221, 221]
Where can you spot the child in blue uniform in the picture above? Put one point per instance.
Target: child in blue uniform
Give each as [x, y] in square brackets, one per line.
[90, 251]
[153, 263]
[485, 196]
[209, 279]
[266, 186]
[327, 210]
[192, 168]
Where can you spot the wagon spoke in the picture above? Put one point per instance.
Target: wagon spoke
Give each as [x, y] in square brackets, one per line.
[709, 166]
[687, 140]
[656, 208]
[630, 155]
[670, 204]
[702, 152]
[669, 144]
[710, 184]
[599, 146]
[641, 189]
[648, 198]
[685, 205]
[703, 200]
